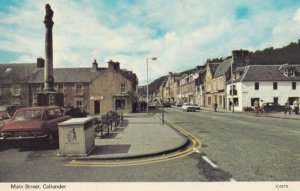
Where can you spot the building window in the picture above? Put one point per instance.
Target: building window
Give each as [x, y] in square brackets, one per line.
[274, 85]
[78, 88]
[120, 104]
[293, 85]
[123, 88]
[16, 90]
[235, 101]
[79, 104]
[60, 88]
[233, 90]
[209, 100]
[289, 72]
[256, 85]
[253, 100]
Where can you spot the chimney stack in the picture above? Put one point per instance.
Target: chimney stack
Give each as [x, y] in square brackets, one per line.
[113, 65]
[95, 65]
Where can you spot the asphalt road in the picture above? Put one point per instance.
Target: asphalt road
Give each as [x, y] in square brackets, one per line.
[249, 148]
[243, 148]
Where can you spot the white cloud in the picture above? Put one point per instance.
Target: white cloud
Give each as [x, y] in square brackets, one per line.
[297, 15]
[182, 34]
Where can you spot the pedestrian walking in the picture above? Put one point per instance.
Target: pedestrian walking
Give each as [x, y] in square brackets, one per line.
[296, 106]
[262, 107]
[215, 107]
[287, 107]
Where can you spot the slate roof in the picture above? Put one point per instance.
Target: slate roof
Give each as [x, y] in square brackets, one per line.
[201, 77]
[29, 73]
[65, 75]
[214, 66]
[17, 73]
[239, 69]
[223, 68]
[268, 73]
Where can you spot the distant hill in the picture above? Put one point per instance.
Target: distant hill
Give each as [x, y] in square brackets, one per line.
[154, 86]
[288, 54]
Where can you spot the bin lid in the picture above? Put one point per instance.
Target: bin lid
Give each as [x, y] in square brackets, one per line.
[76, 121]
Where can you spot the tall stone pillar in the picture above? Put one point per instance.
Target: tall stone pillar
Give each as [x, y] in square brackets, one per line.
[48, 70]
[48, 96]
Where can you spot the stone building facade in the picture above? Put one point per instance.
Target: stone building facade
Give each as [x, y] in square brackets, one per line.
[95, 90]
[218, 74]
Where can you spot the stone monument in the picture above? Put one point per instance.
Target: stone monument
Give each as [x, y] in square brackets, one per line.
[48, 96]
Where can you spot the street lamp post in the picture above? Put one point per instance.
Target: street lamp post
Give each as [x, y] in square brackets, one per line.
[231, 86]
[163, 107]
[153, 58]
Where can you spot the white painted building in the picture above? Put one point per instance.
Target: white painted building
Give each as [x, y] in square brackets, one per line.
[270, 83]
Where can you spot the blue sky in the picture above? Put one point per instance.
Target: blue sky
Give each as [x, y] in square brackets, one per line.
[181, 33]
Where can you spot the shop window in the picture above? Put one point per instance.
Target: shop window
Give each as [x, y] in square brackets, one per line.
[120, 104]
[253, 100]
[209, 100]
[236, 101]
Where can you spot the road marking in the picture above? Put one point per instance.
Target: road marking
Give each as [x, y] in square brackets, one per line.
[210, 162]
[196, 150]
[232, 180]
[244, 122]
[295, 131]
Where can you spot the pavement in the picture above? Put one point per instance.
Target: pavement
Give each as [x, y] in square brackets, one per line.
[140, 135]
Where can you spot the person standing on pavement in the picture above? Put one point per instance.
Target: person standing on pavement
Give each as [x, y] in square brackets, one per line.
[287, 107]
[230, 104]
[215, 107]
[296, 106]
[262, 107]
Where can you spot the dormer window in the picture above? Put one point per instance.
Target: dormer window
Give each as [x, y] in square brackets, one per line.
[289, 72]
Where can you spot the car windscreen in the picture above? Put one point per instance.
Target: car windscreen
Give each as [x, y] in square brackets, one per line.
[2, 108]
[27, 115]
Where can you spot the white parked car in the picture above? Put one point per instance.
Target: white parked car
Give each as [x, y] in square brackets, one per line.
[187, 107]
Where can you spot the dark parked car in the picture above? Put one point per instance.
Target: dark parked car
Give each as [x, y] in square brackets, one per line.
[34, 123]
[271, 107]
[166, 104]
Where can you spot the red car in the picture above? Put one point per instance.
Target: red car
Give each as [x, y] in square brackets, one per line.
[34, 123]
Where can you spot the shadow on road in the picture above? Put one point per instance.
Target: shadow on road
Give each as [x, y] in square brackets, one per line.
[211, 173]
[33, 145]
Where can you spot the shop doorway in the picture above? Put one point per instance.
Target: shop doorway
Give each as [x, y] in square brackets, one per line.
[96, 107]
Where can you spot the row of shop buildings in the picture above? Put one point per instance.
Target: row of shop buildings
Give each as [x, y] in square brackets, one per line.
[94, 89]
[232, 81]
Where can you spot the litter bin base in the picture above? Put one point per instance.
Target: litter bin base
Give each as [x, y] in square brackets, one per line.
[76, 154]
